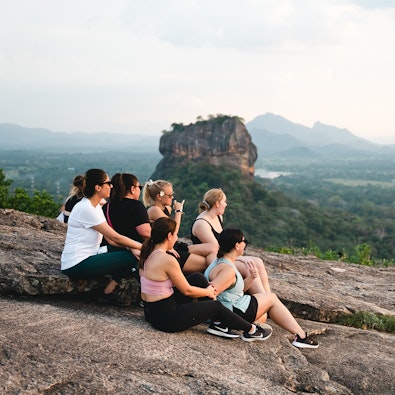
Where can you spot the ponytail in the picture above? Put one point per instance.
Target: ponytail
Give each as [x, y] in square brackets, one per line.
[160, 229]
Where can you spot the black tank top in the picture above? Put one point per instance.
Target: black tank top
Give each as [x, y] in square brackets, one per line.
[196, 240]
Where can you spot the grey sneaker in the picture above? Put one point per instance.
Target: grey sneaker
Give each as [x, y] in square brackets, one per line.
[259, 334]
[221, 330]
[264, 326]
[307, 342]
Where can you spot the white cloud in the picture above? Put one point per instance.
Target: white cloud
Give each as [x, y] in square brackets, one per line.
[103, 65]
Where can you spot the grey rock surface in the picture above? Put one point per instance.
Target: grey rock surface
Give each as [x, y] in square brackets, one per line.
[55, 340]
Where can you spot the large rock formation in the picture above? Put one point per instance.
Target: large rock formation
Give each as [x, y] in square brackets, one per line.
[67, 343]
[219, 141]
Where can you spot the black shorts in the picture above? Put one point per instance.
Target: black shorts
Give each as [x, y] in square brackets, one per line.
[250, 313]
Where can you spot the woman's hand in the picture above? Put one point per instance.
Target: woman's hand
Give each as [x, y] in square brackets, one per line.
[253, 270]
[174, 253]
[135, 252]
[178, 205]
[212, 293]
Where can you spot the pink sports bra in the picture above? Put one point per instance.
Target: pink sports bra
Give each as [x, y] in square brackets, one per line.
[151, 287]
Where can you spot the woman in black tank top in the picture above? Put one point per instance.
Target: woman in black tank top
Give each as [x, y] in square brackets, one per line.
[207, 227]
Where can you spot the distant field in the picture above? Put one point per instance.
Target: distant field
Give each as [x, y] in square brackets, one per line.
[359, 183]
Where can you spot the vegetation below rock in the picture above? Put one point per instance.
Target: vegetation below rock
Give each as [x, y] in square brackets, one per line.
[272, 220]
[369, 320]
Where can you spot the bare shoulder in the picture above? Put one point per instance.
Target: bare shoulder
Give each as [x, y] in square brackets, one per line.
[154, 212]
[223, 273]
[201, 223]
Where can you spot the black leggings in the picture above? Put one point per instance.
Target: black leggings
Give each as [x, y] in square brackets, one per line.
[178, 313]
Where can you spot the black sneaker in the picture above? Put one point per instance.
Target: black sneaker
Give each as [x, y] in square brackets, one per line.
[264, 326]
[259, 334]
[307, 342]
[113, 298]
[221, 330]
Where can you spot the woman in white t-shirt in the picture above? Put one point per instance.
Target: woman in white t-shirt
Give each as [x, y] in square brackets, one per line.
[81, 257]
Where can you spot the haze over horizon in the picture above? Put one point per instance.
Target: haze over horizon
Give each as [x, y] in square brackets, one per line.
[137, 67]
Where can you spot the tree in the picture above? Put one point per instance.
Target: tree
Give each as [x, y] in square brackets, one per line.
[41, 203]
[4, 188]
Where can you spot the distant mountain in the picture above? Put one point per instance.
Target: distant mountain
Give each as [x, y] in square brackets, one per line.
[275, 135]
[15, 137]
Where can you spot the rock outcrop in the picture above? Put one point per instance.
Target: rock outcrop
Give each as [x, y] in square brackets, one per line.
[30, 250]
[221, 141]
[65, 343]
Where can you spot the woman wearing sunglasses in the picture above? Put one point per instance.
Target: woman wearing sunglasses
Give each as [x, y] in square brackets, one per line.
[158, 197]
[230, 285]
[207, 227]
[172, 303]
[81, 257]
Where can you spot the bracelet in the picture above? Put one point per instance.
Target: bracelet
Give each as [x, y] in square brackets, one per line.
[179, 211]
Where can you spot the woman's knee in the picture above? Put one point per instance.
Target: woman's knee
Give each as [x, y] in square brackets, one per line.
[267, 297]
[259, 262]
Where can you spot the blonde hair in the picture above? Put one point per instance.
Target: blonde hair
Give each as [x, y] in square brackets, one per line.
[77, 189]
[211, 197]
[152, 189]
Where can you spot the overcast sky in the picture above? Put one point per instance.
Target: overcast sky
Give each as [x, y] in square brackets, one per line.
[137, 66]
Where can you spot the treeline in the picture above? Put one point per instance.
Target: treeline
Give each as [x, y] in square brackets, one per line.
[272, 220]
[363, 189]
[54, 172]
[40, 203]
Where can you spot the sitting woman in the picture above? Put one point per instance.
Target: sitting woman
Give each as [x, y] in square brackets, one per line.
[81, 257]
[168, 297]
[75, 195]
[207, 227]
[158, 197]
[125, 212]
[229, 283]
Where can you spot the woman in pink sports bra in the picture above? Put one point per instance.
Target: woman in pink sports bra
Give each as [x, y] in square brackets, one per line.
[170, 299]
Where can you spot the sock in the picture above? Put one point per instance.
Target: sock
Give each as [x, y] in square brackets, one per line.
[253, 330]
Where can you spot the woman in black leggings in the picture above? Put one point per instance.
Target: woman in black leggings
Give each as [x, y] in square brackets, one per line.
[170, 300]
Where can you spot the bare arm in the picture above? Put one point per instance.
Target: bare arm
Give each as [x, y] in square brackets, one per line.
[203, 249]
[222, 277]
[202, 230]
[154, 212]
[144, 230]
[115, 238]
[252, 274]
[180, 282]
[178, 207]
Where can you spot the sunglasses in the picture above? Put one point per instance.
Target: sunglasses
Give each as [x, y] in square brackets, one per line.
[109, 183]
[166, 194]
[245, 241]
[139, 186]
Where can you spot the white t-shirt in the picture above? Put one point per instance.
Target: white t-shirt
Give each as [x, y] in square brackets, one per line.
[82, 241]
